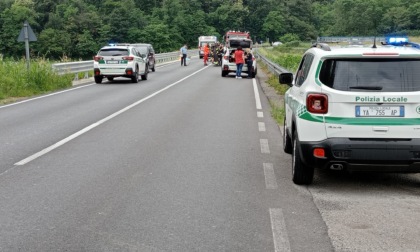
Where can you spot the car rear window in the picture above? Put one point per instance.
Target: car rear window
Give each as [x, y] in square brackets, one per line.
[242, 43]
[113, 52]
[375, 75]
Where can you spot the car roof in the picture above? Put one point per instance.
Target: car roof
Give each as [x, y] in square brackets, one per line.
[116, 47]
[365, 51]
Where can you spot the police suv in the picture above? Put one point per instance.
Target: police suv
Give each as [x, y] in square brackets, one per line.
[119, 61]
[355, 109]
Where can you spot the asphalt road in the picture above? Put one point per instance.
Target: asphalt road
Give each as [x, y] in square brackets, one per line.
[184, 161]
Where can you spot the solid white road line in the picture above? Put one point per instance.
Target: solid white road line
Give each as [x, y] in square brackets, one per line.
[270, 177]
[278, 226]
[94, 125]
[261, 126]
[264, 146]
[257, 94]
[40, 97]
[260, 114]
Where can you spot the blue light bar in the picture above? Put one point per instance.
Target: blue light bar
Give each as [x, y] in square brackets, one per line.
[396, 40]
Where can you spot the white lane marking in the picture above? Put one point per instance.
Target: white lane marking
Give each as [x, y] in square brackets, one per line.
[270, 177]
[260, 114]
[261, 126]
[264, 146]
[257, 94]
[71, 137]
[40, 97]
[278, 226]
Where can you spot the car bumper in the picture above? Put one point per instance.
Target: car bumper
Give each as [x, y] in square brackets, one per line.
[376, 155]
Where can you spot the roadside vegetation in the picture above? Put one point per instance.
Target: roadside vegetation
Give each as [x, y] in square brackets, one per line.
[17, 81]
[287, 56]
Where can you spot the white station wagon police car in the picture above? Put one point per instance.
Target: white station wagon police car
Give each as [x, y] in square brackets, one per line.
[119, 61]
[354, 109]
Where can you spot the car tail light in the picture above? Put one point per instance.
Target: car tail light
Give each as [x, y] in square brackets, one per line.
[129, 58]
[98, 58]
[319, 153]
[226, 57]
[129, 72]
[317, 103]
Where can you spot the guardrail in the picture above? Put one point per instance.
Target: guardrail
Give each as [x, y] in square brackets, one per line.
[86, 66]
[272, 67]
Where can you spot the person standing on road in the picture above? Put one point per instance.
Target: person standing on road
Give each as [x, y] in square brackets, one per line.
[239, 60]
[184, 55]
[206, 52]
[248, 61]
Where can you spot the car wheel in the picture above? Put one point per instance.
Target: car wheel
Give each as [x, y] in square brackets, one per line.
[135, 78]
[302, 174]
[287, 141]
[98, 79]
[144, 76]
[110, 78]
[254, 73]
[224, 73]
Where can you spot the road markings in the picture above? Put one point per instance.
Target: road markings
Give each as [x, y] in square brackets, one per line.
[264, 146]
[257, 94]
[261, 126]
[270, 177]
[260, 114]
[278, 226]
[94, 125]
[40, 97]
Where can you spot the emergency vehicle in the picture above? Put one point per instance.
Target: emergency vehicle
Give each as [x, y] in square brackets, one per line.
[236, 35]
[354, 108]
[205, 40]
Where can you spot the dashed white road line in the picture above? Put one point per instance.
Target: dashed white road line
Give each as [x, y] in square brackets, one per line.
[270, 177]
[260, 114]
[264, 146]
[261, 126]
[278, 226]
[94, 125]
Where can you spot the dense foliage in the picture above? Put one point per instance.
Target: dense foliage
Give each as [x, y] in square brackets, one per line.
[78, 28]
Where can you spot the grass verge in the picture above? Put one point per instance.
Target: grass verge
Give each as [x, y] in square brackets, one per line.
[17, 82]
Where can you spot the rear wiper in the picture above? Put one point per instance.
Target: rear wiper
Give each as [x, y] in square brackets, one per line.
[367, 87]
[118, 54]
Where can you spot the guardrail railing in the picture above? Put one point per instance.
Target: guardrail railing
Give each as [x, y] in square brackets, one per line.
[86, 66]
[272, 67]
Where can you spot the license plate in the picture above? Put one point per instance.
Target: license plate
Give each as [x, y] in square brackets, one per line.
[379, 111]
[112, 61]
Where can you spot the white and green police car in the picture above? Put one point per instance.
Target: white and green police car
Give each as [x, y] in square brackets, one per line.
[119, 61]
[355, 109]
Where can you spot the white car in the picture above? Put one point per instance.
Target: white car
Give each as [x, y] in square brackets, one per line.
[119, 61]
[354, 109]
[228, 61]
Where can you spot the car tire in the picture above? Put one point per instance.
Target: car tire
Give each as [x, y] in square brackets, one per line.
[98, 79]
[135, 78]
[224, 73]
[144, 76]
[287, 140]
[110, 78]
[302, 174]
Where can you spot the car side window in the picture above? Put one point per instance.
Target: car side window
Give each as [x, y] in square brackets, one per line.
[303, 70]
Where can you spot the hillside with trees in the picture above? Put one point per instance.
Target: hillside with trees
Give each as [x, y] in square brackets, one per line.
[78, 28]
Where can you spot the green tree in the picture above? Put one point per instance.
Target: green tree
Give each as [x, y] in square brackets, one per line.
[11, 23]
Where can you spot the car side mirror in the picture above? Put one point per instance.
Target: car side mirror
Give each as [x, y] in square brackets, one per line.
[286, 78]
